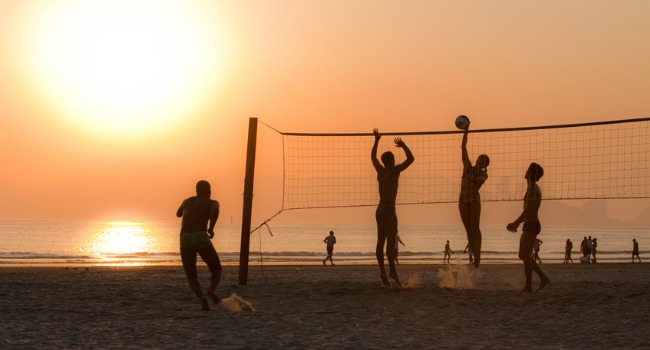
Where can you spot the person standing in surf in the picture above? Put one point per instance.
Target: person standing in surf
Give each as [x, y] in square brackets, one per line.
[388, 178]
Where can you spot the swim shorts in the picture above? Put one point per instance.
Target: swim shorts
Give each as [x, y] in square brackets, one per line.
[532, 227]
[384, 212]
[195, 240]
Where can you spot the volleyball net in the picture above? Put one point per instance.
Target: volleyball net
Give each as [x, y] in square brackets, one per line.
[600, 160]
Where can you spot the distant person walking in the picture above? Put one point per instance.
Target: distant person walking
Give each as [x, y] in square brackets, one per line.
[532, 227]
[448, 253]
[567, 251]
[469, 252]
[388, 178]
[536, 245]
[584, 250]
[594, 249]
[469, 203]
[635, 250]
[398, 241]
[200, 214]
[331, 241]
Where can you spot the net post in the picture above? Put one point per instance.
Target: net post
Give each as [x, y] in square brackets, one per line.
[248, 202]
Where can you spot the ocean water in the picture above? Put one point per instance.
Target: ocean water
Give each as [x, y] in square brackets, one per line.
[34, 242]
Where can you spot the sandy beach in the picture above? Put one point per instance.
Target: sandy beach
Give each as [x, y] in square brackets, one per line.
[315, 307]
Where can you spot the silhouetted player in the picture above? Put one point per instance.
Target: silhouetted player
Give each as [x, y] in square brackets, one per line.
[197, 213]
[532, 227]
[388, 178]
[469, 203]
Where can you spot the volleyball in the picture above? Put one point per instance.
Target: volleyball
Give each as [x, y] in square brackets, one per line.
[462, 122]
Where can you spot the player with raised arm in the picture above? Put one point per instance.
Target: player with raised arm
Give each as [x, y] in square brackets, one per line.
[469, 202]
[388, 178]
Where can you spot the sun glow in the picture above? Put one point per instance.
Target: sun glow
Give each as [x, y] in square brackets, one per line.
[124, 69]
[123, 237]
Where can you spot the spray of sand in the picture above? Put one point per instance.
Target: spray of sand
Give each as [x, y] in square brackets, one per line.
[458, 277]
[412, 281]
[235, 303]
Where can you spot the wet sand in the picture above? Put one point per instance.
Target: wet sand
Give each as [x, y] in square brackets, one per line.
[316, 307]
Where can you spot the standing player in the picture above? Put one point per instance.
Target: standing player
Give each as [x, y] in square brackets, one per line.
[532, 227]
[388, 179]
[197, 212]
[469, 203]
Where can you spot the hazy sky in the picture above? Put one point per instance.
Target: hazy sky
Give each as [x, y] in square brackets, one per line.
[114, 109]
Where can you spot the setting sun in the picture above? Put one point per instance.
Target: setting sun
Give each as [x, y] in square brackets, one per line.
[122, 237]
[123, 69]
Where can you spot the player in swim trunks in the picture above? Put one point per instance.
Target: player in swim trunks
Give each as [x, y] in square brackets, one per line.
[385, 215]
[532, 227]
[469, 202]
[200, 214]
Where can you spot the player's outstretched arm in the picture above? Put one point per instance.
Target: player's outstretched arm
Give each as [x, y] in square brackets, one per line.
[373, 153]
[409, 156]
[466, 162]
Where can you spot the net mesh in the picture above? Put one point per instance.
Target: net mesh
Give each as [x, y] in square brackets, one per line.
[605, 160]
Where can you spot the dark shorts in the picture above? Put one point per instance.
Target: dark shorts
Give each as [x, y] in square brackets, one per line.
[384, 212]
[205, 250]
[330, 250]
[195, 240]
[532, 227]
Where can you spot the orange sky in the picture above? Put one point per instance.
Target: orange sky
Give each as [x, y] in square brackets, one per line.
[114, 110]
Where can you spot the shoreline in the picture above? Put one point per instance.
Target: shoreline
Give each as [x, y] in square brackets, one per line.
[315, 307]
[317, 263]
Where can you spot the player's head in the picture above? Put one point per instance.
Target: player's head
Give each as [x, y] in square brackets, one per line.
[203, 189]
[388, 158]
[483, 161]
[331, 233]
[534, 172]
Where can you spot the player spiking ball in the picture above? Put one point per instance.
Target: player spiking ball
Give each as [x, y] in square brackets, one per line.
[469, 202]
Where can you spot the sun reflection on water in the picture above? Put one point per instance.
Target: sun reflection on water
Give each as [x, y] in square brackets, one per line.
[118, 240]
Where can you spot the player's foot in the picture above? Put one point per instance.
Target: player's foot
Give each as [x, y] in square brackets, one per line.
[213, 296]
[477, 261]
[204, 304]
[323, 262]
[384, 281]
[395, 278]
[543, 283]
[527, 289]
